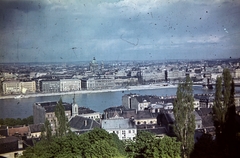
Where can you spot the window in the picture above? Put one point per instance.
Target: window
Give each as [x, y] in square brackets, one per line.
[129, 131]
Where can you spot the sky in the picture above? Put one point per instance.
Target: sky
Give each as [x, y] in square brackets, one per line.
[78, 30]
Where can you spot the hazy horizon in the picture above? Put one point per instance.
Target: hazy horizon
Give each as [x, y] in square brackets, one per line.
[117, 30]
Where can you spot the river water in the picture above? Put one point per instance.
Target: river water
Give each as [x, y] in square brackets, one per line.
[22, 108]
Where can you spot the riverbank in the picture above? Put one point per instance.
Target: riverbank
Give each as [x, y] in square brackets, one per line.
[140, 87]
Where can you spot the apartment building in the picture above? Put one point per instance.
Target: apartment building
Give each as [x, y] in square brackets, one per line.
[67, 85]
[11, 87]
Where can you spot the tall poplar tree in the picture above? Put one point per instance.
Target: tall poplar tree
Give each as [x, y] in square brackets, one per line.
[224, 115]
[224, 98]
[61, 122]
[184, 126]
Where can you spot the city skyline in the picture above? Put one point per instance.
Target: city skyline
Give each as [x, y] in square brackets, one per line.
[65, 31]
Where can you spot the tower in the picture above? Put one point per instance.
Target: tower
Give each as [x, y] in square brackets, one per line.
[74, 107]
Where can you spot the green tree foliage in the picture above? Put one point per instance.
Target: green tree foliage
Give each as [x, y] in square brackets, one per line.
[169, 147]
[18, 121]
[95, 144]
[147, 145]
[47, 131]
[184, 126]
[61, 122]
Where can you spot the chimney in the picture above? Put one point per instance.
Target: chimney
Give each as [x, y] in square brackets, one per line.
[85, 122]
[20, 144]
[136, 111]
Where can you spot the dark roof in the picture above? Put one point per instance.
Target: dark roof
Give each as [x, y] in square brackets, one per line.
[8, 144]
[84, 110]
[36, 127]
[50, 106]
[141, 99]
[82, 123]
[206, 115]
[116, 108]
[207, 121]
[3, 130]
[204, 111]
[129, 113]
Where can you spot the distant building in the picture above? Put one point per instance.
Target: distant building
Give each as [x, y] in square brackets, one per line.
[35, 130]
[237, 73]
[93, 66]
[46, 110]
[67, 85]
[140, 103]
[17, 87]
[11, 87]
[50, 86]
[99, 83]
[28, 87]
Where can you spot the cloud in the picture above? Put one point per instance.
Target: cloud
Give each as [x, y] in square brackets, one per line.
[205, 40]
[22, 5]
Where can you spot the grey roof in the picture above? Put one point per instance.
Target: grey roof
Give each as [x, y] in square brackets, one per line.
[117, 124]
[197, 117]
[129, 113]
[36, 127]
[170, 116]
[204, 111]
[82, 123]
[84, 110]
[207, 121]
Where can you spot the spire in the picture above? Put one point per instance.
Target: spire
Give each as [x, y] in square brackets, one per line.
[74, 107]
[74, 102]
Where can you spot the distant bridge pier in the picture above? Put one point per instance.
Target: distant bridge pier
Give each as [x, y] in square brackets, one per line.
[207, 81]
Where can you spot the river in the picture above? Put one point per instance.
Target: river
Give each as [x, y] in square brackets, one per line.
[22, 108]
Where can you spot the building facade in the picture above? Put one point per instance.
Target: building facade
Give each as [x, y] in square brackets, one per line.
[124, 128]
[46, 110]
[50, 86]
[11, 87]
[67, 85]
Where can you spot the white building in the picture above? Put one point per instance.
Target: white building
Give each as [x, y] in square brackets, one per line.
[70, 85]
[124, 128]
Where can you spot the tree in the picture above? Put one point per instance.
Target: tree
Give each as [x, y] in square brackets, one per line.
[225, 114]
[224, 101]
[219, 110]
[184, 126]
[96, 143]
[47, 131]
[61, 122]
[169, 147]
[147, 145]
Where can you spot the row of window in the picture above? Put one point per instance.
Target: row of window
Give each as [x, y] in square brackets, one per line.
[124, 132]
